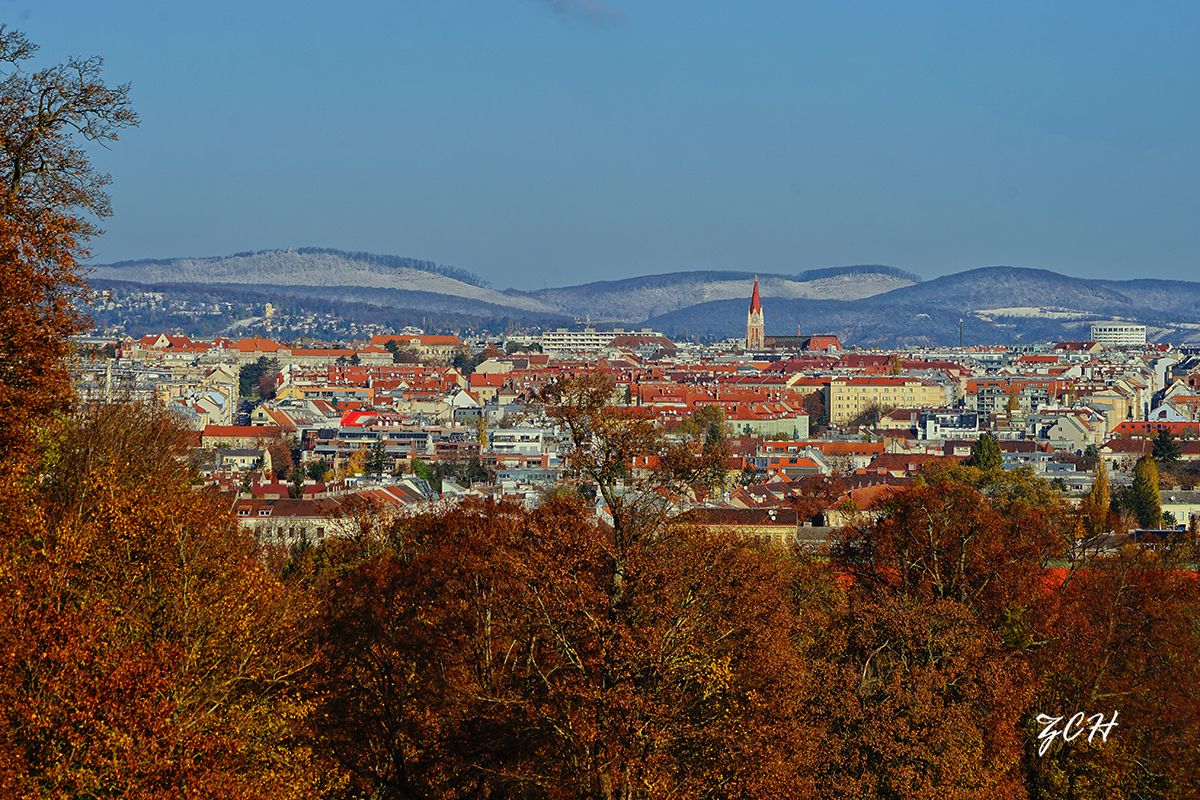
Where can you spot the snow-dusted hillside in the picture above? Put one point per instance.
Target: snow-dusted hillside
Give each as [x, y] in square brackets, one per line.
[639, 299]
[308, 268]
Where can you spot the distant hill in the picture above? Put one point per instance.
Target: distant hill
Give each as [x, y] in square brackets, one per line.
[637, 299]
[397, 282]
[996, 304]
[331, 269]
[865, 305]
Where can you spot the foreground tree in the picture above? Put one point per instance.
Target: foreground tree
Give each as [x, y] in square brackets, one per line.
[479, 653]
[1121, 641]
[147, 652]
[923, 674]
[48, 191]
[605, 442]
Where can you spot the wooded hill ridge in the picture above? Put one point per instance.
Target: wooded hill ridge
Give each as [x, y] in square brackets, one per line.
[865, 305]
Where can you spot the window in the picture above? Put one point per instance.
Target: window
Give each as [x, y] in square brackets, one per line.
[264, 512]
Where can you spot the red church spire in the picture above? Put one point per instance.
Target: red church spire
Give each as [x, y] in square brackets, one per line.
[755, 339]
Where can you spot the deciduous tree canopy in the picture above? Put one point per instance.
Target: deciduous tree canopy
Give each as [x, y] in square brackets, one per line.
[49, 194]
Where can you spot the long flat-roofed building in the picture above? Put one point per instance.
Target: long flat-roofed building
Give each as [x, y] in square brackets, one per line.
[562, 340]
[1116, 334]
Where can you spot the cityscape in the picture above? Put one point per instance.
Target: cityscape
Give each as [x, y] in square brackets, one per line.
[792, 407]
[832, 429]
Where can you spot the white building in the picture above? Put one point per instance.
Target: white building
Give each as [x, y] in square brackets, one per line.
[1115, 334]
[562, 340]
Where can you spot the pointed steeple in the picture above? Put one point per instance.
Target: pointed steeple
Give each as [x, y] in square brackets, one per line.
[755, 340]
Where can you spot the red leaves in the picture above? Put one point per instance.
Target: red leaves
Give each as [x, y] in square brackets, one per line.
[506, 624]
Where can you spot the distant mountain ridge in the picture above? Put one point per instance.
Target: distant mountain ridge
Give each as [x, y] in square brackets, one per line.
[402, 282]
[865, 305]
[395, 262]
[644, 297]
[995, 305]
[311, 267]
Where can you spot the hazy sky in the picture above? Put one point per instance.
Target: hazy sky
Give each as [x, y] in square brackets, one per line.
[564, 141]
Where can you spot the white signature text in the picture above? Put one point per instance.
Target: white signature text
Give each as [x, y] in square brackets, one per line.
[1073, 729]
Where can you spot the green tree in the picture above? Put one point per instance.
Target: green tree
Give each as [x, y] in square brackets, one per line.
[377, 461]
[466, 363]
[1166, 450]
[985, 453]
[297, 483]
[426, 473]
[317, 470]
[250, 376]
[1142, 496]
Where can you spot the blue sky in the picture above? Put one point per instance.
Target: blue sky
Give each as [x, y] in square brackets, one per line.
[557, 142]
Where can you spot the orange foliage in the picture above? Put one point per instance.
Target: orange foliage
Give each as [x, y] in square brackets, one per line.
[147, 651]
[483, 653]
[46, 185]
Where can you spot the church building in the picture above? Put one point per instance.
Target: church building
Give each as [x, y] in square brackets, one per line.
[755, 340]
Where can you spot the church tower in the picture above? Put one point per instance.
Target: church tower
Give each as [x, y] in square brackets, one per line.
[754, 322]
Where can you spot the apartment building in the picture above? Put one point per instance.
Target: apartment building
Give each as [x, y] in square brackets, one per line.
[850, 396]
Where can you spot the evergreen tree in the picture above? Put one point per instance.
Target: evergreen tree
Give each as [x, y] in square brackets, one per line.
[1142, 497]
[985, 453]
[1166, 449]
[377, 461]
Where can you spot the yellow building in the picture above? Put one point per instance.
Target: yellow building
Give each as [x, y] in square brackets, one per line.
[850, 396]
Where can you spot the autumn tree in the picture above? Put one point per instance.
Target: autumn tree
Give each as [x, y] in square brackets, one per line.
[1121, 643]
[1095, 507]
[707, 424]
[147, 651]
[480, 654]
[604, 441]
[942, 611]
[355, 463]
[282, 464]
[50, 194]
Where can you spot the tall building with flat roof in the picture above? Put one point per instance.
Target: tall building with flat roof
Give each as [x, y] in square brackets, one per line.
[1116, 334]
